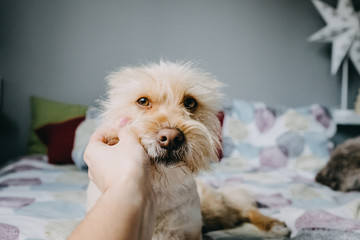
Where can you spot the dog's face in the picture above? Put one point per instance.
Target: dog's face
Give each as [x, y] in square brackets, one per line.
[172, 109]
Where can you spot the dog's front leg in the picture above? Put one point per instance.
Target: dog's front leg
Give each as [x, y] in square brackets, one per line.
[227, 208]
[272, 226]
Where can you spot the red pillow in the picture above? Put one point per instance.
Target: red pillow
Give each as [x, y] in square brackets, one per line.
[59, 139]
[220, 116]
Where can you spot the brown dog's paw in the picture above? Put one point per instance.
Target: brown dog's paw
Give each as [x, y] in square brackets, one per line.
[271, 226]
[279, 229]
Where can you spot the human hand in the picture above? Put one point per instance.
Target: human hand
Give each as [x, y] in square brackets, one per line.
[125, 161]
[122, 172]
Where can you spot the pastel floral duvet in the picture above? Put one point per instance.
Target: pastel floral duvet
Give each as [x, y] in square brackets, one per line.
[310, 210]
[43, 201]
[39, 200]
[274, 153]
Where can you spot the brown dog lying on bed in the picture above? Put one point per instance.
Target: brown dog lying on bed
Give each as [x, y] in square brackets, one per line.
[172, 109]
[343, 169]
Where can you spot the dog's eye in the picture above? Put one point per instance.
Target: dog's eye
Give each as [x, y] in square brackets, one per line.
[143, 102]
[190, 103]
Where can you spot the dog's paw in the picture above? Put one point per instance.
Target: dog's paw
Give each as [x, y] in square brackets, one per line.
[279, 229]
[270, 226]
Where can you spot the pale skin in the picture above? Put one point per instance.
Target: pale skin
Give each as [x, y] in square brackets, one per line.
[122, 172]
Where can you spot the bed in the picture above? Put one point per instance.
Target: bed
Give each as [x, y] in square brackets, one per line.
[39, 200]
[273, 152]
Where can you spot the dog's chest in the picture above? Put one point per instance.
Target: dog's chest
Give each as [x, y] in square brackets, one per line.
[178, 208]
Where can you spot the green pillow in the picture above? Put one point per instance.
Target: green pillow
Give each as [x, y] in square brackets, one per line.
[44, 111]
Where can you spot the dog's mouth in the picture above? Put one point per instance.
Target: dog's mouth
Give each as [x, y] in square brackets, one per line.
[167, 157]
[167, 147]
[186, 143]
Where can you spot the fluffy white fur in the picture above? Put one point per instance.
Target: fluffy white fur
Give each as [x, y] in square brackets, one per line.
[168, 86]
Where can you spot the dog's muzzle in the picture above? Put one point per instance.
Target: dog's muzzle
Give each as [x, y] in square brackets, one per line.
[171, 147]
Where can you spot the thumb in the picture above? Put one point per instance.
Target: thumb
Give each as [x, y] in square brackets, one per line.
[123, 121]
[125, 131]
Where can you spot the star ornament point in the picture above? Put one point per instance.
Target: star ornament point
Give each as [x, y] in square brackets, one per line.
[342, 30]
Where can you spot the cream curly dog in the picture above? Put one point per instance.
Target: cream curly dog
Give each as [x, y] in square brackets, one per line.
[172, 108]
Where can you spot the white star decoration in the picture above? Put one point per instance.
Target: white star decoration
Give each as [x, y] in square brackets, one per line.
[343, 30]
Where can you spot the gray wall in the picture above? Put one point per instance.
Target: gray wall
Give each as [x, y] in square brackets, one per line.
[63, 49]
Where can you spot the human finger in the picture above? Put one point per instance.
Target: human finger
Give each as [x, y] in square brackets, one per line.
[96, 142]
[125, 130]
[97, 137]
[123, 121]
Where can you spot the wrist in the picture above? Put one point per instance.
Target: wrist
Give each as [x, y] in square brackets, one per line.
[138, 177]
[133, 186]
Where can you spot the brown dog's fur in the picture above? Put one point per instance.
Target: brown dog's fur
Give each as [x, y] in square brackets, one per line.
[342, 172]
[227, 208]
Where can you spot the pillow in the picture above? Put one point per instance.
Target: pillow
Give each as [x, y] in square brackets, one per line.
[44, 111]
[82, 136]
[278, 137]
[220, 116]
[59, 139]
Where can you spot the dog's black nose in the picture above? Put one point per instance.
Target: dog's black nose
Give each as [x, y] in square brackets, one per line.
[170, 138]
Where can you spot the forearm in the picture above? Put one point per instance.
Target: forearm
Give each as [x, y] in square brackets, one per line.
[120, 213]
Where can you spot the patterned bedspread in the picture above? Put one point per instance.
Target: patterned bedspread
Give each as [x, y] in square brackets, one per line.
[310, 210]
[39, 200]
[43, 201]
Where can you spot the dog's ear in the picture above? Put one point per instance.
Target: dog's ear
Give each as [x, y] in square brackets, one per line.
[121, 76]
